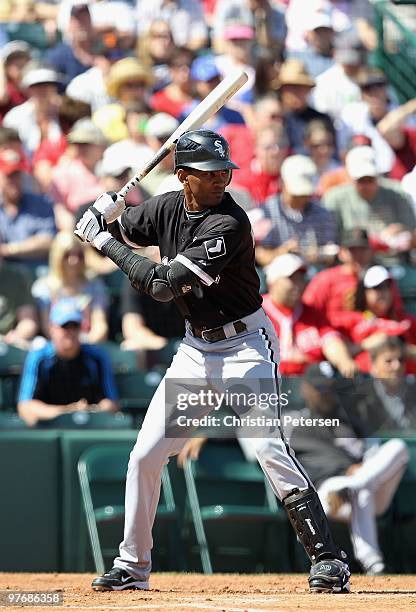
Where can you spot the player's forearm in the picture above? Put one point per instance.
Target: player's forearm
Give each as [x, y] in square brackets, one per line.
[32, 411]
[107, 405]
[32, 247]
[389, 126]
[25, 329]
[336, 351]
[137, 268]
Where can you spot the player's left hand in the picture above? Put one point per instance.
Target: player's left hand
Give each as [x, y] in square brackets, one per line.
[90, 225]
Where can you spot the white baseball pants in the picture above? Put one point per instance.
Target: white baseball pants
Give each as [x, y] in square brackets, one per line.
[251, 355]
[371, 489]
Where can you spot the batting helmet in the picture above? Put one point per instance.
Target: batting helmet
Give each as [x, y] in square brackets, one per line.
[203, 150]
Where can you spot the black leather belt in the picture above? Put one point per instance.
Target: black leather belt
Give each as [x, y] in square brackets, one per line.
[217, 333]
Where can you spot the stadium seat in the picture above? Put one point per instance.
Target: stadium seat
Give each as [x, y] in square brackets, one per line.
[11, 365]
[225, 495]
[89, 420]
[10, 420]
[121, 361]
[102, 472]
[162, 358]
[136, 389]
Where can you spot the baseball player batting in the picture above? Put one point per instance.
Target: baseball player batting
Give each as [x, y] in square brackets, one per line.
[208, 269]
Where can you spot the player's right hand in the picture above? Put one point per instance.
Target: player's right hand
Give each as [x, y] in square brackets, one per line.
[110, 205]
[90, 225]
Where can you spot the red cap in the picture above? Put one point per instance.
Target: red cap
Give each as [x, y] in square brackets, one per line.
[11, 161]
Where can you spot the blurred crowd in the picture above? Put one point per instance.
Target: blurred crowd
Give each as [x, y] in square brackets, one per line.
[90, 90]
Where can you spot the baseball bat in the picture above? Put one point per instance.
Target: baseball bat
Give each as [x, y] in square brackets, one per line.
[205, 109]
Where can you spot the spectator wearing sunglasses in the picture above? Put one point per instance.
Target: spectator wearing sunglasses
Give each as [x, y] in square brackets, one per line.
[65, 375]
[70, 276]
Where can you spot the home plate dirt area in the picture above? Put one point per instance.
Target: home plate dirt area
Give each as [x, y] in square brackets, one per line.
[227, 592]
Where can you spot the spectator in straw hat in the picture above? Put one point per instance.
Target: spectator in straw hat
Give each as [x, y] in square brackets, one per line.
[128, 82]
[295, 85]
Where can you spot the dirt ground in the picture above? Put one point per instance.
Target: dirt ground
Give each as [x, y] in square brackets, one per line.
[227, 592]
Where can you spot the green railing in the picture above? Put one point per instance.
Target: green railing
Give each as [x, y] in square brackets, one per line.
[396, 46]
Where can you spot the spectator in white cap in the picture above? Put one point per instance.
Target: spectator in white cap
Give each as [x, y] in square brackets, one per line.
[13, 58]
[158, 129]
[114, 173]
[305, 335]
[36, 119]
[376, 315]
[74, 181]
[373, 203]
[320, 36]
[133, 151]
[297, 222]
[348, 59]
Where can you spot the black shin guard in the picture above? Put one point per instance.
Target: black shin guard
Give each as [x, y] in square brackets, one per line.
[309, 521]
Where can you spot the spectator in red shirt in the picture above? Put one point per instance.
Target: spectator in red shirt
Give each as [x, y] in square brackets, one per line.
[267, 113]
[263, 178]
[332, 290]
[14, 57]
[177, 96]
[50, 151]
[304, 333]
[375, 316]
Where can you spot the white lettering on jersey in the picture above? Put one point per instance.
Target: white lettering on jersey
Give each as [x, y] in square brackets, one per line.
[215, 247]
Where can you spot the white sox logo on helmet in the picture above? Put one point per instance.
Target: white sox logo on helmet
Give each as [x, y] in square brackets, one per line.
[219, 147]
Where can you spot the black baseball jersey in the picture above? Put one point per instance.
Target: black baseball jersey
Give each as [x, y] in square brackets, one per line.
[215, 244]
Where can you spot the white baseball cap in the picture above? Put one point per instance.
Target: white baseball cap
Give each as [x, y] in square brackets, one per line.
[320, 20]
[160, 125]
[360, 162]
[40, 75]
[298, 173]
[284, 266]
[111, 164]
[375, 276]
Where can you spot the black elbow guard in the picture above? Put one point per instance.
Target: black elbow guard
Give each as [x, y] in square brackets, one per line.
[171, 281]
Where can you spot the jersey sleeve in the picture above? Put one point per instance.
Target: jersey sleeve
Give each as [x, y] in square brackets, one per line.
[137, 224]
[30, 382]
[209, 254]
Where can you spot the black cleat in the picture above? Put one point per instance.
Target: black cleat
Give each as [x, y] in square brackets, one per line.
[117, 579]
[329, 576]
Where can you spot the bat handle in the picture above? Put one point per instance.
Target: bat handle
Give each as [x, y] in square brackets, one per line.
[156, 159]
